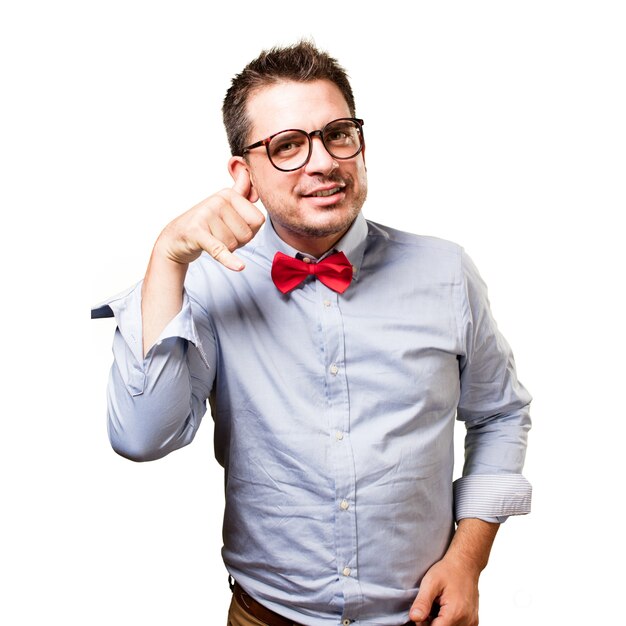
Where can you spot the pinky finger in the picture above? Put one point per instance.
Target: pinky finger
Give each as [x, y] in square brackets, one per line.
[222, 254]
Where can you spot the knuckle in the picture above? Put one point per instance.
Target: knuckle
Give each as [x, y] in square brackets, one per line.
[219, 201]
[215, 249]
[211, 205]
[247, 235]
[258, 221]
[224, 194]
[232, 244]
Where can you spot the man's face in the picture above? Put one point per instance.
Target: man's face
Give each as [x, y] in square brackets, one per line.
[299, 215]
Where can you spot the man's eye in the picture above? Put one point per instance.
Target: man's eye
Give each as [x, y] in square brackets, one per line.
[283, 146]
[286, 146]
[337, 135]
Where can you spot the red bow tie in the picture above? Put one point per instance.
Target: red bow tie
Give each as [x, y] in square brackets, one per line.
[334, 271]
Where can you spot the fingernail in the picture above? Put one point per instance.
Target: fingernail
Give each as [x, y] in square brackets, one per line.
[416, 615]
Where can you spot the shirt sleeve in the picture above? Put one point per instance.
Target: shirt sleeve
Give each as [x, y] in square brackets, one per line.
[495, 408]
[156, 402]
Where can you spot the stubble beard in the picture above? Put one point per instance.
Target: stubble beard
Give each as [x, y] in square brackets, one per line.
[334, 219]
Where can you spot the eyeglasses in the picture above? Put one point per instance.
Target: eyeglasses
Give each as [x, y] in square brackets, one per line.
[291, 149]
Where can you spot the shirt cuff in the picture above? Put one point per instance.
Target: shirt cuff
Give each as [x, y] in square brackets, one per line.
[492, 497]
[126, 308]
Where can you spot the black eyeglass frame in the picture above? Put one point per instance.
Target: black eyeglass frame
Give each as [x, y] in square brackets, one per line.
[320, 133]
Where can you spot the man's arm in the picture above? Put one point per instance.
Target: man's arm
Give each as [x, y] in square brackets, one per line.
[159, 383]
[218, 225]
[494, 406]
[453, 581]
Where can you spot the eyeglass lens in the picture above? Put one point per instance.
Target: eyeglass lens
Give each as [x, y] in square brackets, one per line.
[289, 149]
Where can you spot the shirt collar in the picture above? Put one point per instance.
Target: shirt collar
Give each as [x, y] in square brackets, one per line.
[352, 244]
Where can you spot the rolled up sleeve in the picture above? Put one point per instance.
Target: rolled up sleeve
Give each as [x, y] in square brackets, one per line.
[495, 408]
[156, 402]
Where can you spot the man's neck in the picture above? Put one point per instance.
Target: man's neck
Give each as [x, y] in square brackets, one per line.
[313, 246]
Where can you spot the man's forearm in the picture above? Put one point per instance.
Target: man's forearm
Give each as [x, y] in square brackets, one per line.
[161, 296]
[472, 542]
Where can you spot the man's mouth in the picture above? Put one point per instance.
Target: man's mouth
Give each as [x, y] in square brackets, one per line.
[323, 193]
[326, 192]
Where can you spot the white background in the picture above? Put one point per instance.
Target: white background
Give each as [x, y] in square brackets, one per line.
[499, 125]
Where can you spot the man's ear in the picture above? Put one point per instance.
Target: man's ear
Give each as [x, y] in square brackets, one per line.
[239, 170]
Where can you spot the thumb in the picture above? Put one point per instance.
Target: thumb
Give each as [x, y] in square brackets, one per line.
[423, 604]
[243, 184]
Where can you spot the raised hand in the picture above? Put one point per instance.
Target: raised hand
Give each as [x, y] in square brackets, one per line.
[218, 225]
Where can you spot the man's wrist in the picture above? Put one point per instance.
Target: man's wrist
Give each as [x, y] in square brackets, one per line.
[471, 545]
[165, 271]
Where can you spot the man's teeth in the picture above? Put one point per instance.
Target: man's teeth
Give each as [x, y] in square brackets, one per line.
[329, 192]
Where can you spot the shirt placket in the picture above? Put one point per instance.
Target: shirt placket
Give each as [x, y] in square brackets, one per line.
[342, 453]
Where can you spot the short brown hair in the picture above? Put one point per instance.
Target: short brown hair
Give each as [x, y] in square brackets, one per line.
[301, 62]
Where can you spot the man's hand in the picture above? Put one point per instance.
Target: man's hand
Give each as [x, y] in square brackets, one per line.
[453, 581]
[218, 225]
[456, 591]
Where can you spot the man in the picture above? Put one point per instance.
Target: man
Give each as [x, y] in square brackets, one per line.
[336, 354]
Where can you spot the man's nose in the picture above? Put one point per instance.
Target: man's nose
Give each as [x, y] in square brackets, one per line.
[321, 162]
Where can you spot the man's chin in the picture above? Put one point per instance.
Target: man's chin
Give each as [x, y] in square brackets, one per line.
[333, 222]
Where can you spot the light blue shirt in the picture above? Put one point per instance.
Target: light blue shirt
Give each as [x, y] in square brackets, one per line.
[334, 416]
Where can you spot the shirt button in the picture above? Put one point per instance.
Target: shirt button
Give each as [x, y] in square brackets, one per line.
[346, 571]
[334, 369]
[346, 622]
[345, 505]
[339, 435]
[327, 303]
[306, 259]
